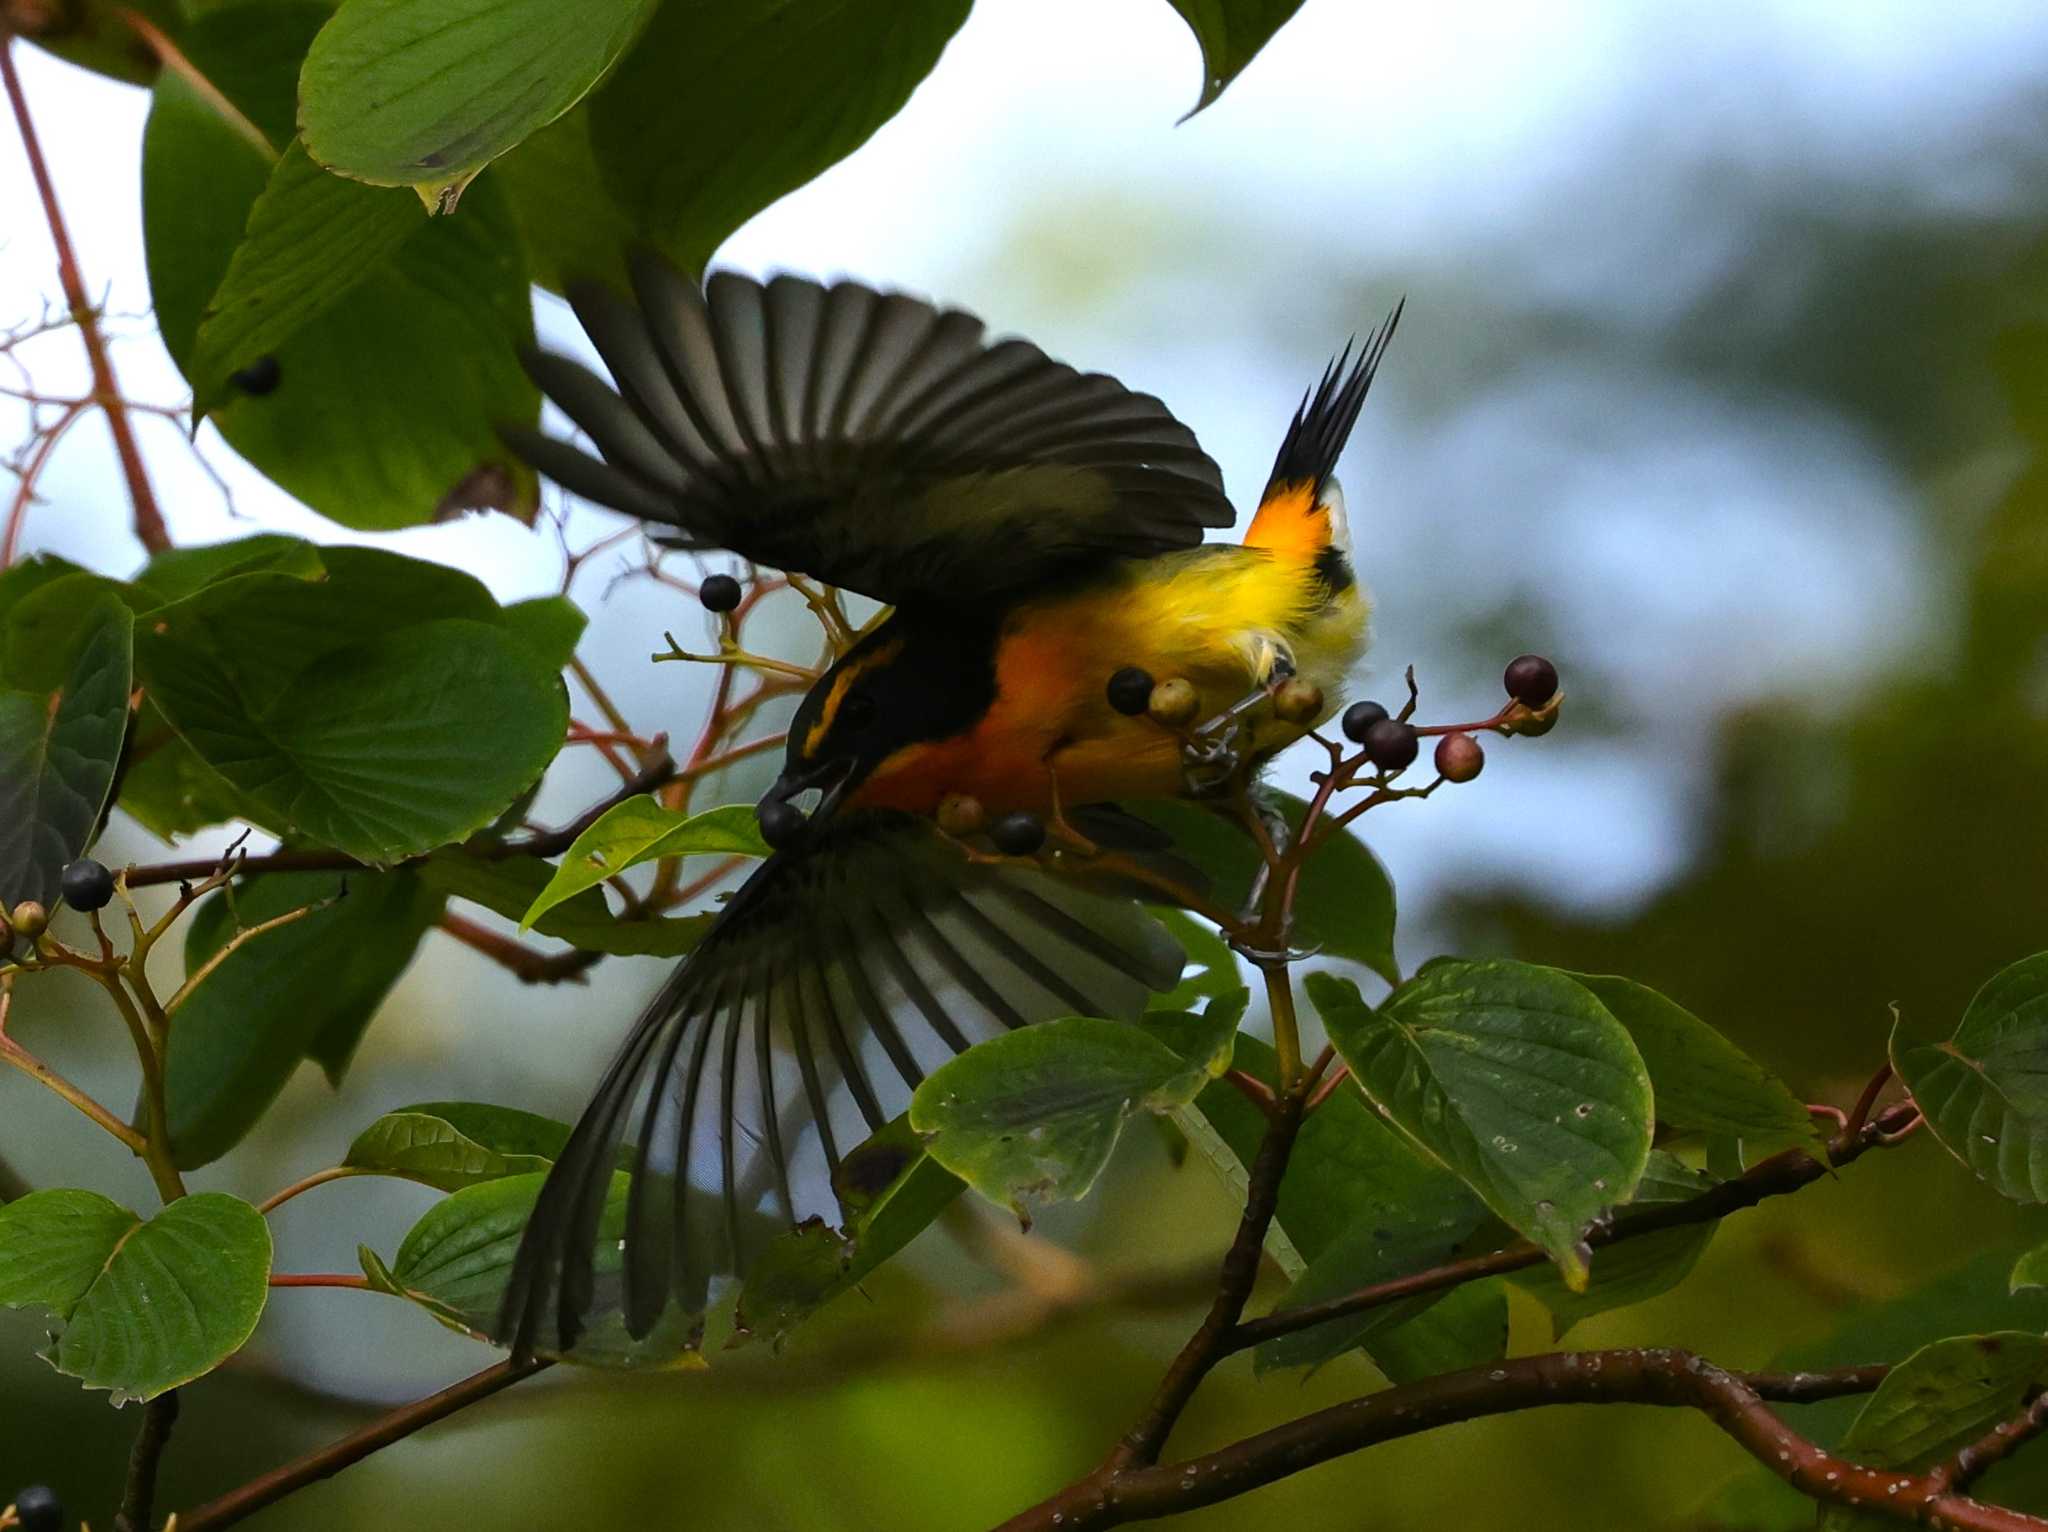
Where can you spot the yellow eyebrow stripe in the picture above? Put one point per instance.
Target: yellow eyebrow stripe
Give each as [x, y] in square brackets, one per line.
[841, 685]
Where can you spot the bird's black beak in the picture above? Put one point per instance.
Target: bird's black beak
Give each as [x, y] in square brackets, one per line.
[783, 823]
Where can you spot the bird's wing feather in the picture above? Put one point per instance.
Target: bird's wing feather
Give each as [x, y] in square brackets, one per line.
[873, 441]
[842, 972]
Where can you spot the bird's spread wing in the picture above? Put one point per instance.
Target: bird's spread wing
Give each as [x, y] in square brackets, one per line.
[870, 440]
[841, 973]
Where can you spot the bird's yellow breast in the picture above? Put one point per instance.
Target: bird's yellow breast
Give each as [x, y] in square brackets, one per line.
[1216, 616]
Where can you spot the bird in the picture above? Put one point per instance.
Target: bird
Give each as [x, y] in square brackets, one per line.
[1031, 530]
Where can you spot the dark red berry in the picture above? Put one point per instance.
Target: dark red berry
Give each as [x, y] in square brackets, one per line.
[1531, 680]
[1391, 745]
[86, 884]
[719, 593]
[260, 377]
[782, 824]
[38, 1509]
[1459, 758]
[1359, 717]
[1130, 689]
[1018, 834]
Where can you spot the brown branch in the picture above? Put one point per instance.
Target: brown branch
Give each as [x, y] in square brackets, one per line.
[527, 964]
[149, 521]
[158, 1416]
[1734, 1402]
[327, 1461]
[1211, 1342]
[1774, 1177]
[1992, 1448]
[544, 844]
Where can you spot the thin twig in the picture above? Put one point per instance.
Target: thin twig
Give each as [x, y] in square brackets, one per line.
[154, 1434]
[1972, 1462]
[149, 521]
[327, 1461]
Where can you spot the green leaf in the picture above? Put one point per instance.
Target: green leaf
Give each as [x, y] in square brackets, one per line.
[94, 35]
[59, 747]
[1704, 1083]
[1516, 1078]
[641, 830]
[1985, 1090]
[452, 1144]
[551, 626]
[457, 1261]
[307, 989]
[425, 93]
[1031, 1116]
[1353, 1187]
[889, 1190]
[1946, 1395]
[388, 403]
[1344, 905]
[1231, 33]
[509, 885]
[140, 1307]
[1461, 1328]
[1631, 1270]
[177, 573]
[312, 239]
[723, 107]
[574, 231]
[384, 749]
[2030, 1270]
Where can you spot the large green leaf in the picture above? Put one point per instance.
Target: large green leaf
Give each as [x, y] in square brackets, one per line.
[573, 229]
[176, 573]
[1703, 1082]
[387, 404]
[641, 830]
[1985, 1090]
[312, 239]
[384, 749]
[1231, 33]
[1516, 1078]
[59, 747]
[425, 93]
[1631, 1270]
[452, 1144]
[725, 105]
[1353, 1185]
[1344, 904]
[304, 990]
[509, 885]
[140, 1308]
[889, 1190]
[1030, 1117]
[457, 1262]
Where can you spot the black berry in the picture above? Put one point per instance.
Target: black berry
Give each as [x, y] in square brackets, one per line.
[1531, 680]
[86, 884]
[260, 377]
[39, 1509]
[1359, 717]
[1391, 745]
[1459, 758]
[1130, 689]
[1018, 834]
[719, 593]
[782, 824]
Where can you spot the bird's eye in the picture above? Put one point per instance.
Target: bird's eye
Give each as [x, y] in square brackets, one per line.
[856, 712]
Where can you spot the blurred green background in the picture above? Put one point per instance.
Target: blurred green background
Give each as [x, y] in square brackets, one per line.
[1723, 381]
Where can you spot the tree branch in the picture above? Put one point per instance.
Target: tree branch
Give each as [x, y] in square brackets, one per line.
[327, 1461]
[149, 521]
[158, 1416]
[1993, 1447]
[1733, 1401]
[1774, 1177]
[546, 843]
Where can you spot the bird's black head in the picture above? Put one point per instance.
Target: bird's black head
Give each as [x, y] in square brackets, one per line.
[914, 678]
